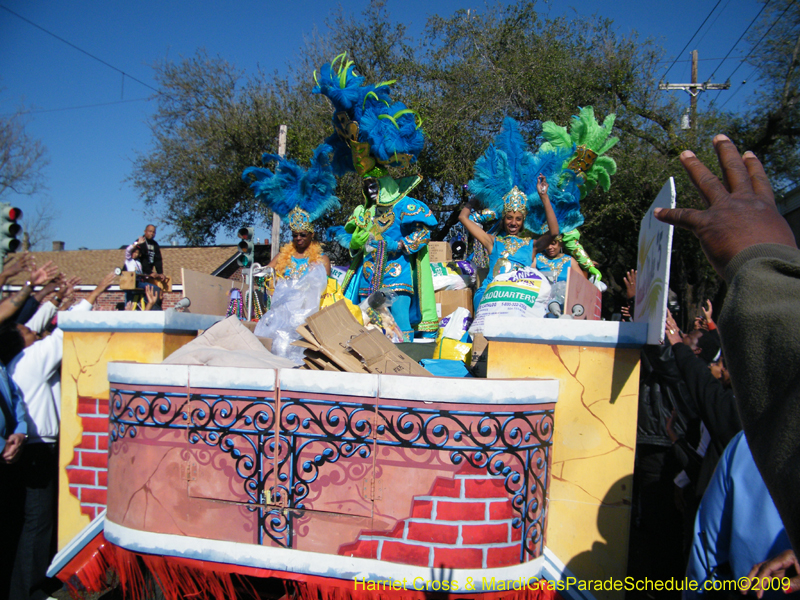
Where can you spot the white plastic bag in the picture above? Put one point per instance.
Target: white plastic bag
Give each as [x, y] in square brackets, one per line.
[293, 301]
[456, 324]
[453, 275]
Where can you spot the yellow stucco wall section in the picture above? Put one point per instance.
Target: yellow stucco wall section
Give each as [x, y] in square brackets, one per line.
[594, 444]
[83, 373]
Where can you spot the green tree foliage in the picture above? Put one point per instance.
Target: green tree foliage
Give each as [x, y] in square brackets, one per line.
[209, 126]
[772, 125]
[463, 75]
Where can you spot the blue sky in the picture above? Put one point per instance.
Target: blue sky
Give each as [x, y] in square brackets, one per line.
[94, 122]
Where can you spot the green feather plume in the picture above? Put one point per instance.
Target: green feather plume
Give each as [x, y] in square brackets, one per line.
[584, 130]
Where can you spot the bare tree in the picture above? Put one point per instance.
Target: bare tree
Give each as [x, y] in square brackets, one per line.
[38, 221]
[22, 158]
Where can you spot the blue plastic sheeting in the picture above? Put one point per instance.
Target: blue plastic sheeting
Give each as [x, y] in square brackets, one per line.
[442, 367]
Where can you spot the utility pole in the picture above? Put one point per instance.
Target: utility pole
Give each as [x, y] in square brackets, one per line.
[694, 89]
[276, 220]
[693, 97]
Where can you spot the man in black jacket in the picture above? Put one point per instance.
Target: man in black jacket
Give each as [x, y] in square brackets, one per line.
[150, 257]
[656, 536]
[710, 398]
[151, 254]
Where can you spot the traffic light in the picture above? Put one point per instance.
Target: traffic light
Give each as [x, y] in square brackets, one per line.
[9, 228]
[246, 247]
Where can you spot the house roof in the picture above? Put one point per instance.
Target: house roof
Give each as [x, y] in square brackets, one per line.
[92, 265]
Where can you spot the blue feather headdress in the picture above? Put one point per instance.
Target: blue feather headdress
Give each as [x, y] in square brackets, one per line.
[294, 193]
[372, 131]
[508, 168]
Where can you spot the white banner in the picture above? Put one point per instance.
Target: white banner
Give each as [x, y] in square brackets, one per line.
[652, 278]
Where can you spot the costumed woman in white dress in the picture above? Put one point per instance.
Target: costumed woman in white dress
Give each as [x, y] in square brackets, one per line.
[299, 197]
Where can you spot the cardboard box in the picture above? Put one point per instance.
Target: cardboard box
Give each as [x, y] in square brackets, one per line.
[449, 300]
[127, 280]
[334, 341]
[382, 356]
[583, 300]
[209, 294]
[440, 252]
[332, 328]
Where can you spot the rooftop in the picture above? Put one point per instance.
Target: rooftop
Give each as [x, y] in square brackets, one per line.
[92, 265]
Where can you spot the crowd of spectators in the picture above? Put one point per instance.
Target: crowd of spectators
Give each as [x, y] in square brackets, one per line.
[31, 350]
[710, 500]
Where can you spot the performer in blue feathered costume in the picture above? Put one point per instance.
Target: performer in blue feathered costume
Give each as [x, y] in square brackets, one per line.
[300, 197]
[387, 235]
[511, 183]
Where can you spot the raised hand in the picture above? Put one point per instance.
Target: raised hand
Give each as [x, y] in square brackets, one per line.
[66, 287]
[630, 284]
[700, 323]
[24, 262]
[741, 209]
[151, 294]
[101, 287]
[44, 274]
[542, 186]
[707, 311]
[672, 331]
[106, 282]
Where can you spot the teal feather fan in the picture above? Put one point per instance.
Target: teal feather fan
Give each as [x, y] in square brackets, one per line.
[291, 186]
[507, 163]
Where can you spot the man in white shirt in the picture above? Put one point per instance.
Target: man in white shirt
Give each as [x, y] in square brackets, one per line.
[36, 370]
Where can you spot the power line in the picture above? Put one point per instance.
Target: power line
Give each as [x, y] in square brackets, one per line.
[70, 44]
[691, 38]
[741, 85]
[753, 49]
[710, 27]
[740, 37]
[688, 60]
[65, 108]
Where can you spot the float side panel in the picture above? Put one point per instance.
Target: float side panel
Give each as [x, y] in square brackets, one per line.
[591, 480]
[84, 376]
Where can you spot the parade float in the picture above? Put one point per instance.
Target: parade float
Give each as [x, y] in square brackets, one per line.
[338, 485]
[346, 485]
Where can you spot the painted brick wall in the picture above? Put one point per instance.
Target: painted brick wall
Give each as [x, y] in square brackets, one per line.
[88, 471]
[109, 300]
[464, 522]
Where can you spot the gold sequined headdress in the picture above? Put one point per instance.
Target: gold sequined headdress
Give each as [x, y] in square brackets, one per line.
[515, 201]
[300, 220]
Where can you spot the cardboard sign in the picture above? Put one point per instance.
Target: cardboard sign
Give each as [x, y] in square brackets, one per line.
[334, 341]
[583, 300]
[652, 278]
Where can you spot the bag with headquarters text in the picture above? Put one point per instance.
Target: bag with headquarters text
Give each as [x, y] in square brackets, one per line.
[522, 294]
